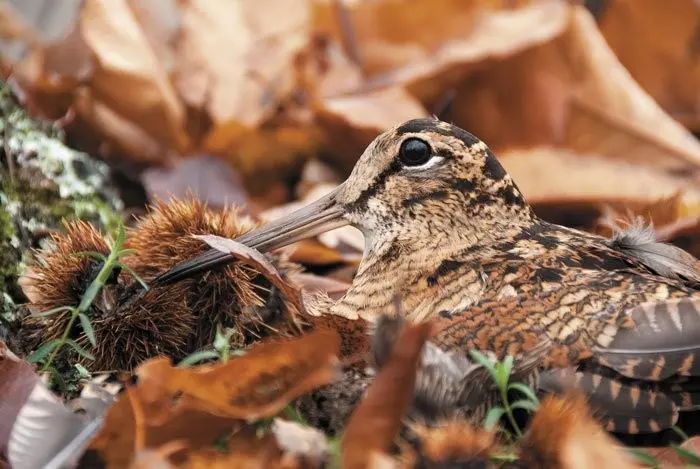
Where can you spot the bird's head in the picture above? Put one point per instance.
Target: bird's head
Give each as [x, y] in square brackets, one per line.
[423, 179]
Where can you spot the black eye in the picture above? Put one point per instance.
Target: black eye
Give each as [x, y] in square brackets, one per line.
[414, 152]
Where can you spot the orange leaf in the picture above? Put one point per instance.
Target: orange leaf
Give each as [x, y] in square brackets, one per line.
[376, 421]
[258, 384]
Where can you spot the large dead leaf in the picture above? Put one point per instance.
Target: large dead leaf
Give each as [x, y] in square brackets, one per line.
[126, 61]
[385, 35]
[234, 60]
[351, 122]
[17, 379]
[376, 421]
[258, 384]
[572, 92]
[658, 43]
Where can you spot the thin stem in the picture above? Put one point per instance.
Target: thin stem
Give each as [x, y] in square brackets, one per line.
[62, 341]
[509, 411]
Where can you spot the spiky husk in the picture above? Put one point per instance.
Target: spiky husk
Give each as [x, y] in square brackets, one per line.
[455, 443]
[129, 327]
[157, 322]
[60, 277]
[233, 296]
[564, 434]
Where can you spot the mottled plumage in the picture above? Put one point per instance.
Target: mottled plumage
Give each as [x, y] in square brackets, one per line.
[448, 232]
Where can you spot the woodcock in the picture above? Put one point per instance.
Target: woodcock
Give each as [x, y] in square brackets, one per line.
[449, 233]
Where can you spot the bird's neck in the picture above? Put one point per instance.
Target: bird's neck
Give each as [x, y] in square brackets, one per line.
[400, 264]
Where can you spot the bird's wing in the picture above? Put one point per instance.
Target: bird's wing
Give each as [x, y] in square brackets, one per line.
[663, 339]
[623, 407]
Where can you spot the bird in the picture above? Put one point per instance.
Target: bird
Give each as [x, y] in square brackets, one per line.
[448, 231]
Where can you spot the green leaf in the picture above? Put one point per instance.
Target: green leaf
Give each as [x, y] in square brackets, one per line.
[196, 357]
[43, 351]
[679, 431]
[644, 457]
[525, 404]
[493, 417]
[482, 360]
[82, 371]
[87, 328]
[121, 237]
[44, 314]
[503, 372]
[125, 252]
[528, 391]
[133, 273]
[688, 456]
[93, 254]
[89, 295]
[221, 341]
[79, 350]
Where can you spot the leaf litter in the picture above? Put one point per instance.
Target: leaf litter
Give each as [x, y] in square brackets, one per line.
[578, 108]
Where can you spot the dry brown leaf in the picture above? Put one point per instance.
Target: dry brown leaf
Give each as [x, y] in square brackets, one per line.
[259, 263]
[390, 34]
[258, 384]
[350, 123]
[376, 421]
[572, 92]
[17, 379]
[13, 26]
[495, 35]
[148, 416]
[658, 43]
[128, 77]
[549, 175]
[241, 87]
[312, 283]
[670, 459]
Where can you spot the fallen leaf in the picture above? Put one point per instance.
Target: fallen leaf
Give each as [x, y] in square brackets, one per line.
[658, 44]
[386, 35]
[312, 283]
[44, 425]
[126, 61]
[376, 421]
[258, 384]
[669, 458]
[18, 380]
[208, 178]
[572, 93]
[239, 91]
[258, 262]
[350, 123]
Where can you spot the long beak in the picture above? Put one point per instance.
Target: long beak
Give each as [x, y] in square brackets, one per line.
[318, 217]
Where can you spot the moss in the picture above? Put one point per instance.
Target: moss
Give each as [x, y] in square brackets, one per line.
[43, 181]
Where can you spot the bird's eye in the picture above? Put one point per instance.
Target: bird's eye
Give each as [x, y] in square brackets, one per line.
[414, 152]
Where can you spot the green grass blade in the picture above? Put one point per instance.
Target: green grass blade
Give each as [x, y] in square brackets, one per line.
[524, 404]
[87, 328]
[79, 350]
[493, 417]
[688, 456]
[89, 295]
[93, 254]
[43, 351]
[133, 273]
[481, 359]
[644, 457]
[44, 314]
[197, 357]
[526, 390]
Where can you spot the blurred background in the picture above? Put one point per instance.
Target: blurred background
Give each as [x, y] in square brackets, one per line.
[593, 107]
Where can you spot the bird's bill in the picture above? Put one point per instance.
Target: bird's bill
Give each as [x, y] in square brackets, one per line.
[325, 214]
